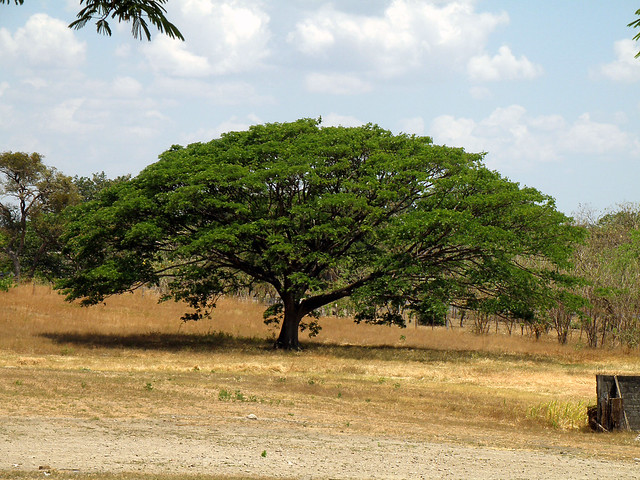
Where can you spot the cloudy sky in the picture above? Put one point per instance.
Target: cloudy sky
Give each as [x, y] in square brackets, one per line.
[549, 89]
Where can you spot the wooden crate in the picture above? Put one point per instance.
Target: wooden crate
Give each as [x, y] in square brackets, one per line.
[618, 402]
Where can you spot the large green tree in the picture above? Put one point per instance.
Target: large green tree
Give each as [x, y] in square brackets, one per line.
[319, 214]
[139, 12]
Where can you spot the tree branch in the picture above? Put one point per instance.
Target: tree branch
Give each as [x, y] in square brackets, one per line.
[308, 305]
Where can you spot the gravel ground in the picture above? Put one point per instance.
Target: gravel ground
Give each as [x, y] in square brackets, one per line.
[272, 448]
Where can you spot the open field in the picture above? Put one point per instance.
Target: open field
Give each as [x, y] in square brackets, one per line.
[125, 389]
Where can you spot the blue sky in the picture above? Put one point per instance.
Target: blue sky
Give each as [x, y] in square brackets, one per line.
[549, 89]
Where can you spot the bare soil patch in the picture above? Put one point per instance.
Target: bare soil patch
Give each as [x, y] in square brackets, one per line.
[273, 448]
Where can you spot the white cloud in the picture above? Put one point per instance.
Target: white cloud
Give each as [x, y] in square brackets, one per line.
[71, 5]
[587, 136]
[6, 117]
[409, 34]
[4, 86]
[316, 36]
[458, 132]
[236, 125]
[336, 120]
[36, 82]
[233, 124]
[503, 66]
[480, 93]
[625, 68]
[220, 93]
[142, 131]
[126, 87]
[172, 58]
[81, 107]
[336, 84]
[241, 24]
[514, 138]
[222, 37]
[123, 50]
[413, 125]
[155, 115]
[63, 117]
[43, 42]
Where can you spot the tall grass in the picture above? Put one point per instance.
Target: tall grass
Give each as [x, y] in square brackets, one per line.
[560, 415]
[34, 318]
[32, 315]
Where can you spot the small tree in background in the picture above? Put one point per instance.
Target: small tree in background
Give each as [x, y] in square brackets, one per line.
[90, 187]
[609, 261]
[31, 196]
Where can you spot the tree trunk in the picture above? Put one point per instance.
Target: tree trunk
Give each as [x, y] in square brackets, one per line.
[288, 338]
[16, 267]
[36, 259]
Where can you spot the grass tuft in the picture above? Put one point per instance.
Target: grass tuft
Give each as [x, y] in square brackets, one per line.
[560, 415]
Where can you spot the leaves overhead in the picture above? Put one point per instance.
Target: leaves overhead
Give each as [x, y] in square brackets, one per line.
[636, 24]
[140, 13]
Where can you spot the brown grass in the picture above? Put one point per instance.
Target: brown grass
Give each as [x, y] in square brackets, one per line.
[133, 357]
[63, 475]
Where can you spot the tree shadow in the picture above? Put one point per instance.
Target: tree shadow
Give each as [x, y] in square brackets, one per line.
[220, 341]
[424, 354]
[172, 342]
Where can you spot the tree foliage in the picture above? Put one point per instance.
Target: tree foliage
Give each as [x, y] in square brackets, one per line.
[90, 187]
[609, 262]
[32, 195]
[395, 223]
[140, 13]
[636, 24]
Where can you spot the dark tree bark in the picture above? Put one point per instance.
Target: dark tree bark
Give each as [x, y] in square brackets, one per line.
[288, 338]
[293, 313]
[295, 310]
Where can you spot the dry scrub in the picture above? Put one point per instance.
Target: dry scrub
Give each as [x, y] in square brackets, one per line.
[134, 359]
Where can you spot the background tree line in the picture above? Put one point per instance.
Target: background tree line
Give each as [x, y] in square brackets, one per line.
[33, 201]
[609, 263]
[602, 307]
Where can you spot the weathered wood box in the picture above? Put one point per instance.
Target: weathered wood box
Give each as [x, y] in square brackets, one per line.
[618, 402]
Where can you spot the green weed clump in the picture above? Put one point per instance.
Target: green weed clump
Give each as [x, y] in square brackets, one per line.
[238, 396]
[560, 415]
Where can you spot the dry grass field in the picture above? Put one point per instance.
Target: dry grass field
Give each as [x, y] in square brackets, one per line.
[133, 359]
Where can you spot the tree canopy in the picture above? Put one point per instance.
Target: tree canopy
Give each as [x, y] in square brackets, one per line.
[90, 187]
[317, 214]
[31, 197]
[139, 12]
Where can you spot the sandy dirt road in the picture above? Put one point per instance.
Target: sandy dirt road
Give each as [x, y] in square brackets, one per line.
[271, 448]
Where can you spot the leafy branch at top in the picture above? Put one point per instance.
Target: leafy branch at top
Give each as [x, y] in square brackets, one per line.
[139, 12]
[636, 24]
